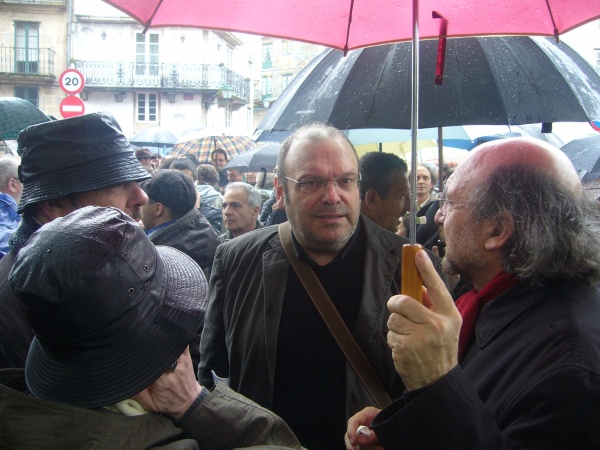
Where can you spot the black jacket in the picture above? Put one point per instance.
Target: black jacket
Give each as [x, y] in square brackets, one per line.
[531, 380]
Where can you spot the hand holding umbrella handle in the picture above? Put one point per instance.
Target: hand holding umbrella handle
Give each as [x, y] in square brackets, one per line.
[411, 283]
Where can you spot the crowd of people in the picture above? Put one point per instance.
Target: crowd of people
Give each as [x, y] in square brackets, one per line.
[148, 303]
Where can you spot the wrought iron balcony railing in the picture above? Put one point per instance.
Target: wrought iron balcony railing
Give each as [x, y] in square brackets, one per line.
[107, 74]
[22, 60]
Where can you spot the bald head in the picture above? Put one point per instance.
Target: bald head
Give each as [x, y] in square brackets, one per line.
[521, 152]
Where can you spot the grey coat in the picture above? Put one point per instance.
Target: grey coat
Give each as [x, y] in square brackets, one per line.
[247, 288]
[224, 419]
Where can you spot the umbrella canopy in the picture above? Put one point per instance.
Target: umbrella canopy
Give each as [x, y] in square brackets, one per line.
[255, 160]
[156, 139]
[490, 80]
[350, 24]
[153, 136]
[17, 114]
[584, 153]
[202, 148]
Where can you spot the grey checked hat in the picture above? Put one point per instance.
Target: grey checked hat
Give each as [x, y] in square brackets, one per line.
[81, 154]
[172, 188]
[110, 310]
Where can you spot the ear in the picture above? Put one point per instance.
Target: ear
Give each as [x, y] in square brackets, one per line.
[158, 209]
[256, 211]
[499, 231]
[13, 185]
[48, 210]
[372, 199]
[278, 192]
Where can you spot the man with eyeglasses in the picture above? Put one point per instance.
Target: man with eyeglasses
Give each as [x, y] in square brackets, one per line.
[262, 330]
[515, 363]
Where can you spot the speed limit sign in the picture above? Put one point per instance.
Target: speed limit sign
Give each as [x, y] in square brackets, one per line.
[71, 81]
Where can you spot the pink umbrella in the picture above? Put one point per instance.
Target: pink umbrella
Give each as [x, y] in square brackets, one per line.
[349, 24]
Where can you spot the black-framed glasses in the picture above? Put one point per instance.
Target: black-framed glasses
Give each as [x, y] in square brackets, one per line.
[310, 185]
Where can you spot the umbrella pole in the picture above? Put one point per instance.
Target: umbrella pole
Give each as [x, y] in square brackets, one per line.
[414, 123]
[440, 158]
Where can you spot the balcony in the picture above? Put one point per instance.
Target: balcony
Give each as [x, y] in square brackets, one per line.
[27, 65]
[171, 76]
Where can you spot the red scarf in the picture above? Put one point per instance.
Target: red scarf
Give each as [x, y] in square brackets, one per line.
[470, 303]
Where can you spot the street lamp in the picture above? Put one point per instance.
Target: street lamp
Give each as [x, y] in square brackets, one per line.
[226, 92]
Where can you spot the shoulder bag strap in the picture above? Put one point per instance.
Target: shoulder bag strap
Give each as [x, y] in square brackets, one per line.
[334, 322]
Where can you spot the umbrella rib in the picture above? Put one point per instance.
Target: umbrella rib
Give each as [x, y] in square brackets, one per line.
[147, 24]
[349, 24]
[552, 19]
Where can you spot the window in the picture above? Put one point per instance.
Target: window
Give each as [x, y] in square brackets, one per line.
[266, 86]
[29, 93]
[147, 107]
[27, 47]
[229, 56]
[286, 79]
[287, 47]
[146, 54]
[228, 115]
[267, 52]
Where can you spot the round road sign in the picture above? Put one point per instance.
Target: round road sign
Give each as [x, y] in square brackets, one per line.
[71, 81]
[71, 106]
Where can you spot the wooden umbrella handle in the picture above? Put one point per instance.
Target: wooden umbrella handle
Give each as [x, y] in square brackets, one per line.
[411, 283]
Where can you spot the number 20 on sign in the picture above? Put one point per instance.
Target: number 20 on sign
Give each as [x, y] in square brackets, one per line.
[71, 81]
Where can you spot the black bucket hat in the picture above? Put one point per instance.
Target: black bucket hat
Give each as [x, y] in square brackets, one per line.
[80, 154]
[110, 310]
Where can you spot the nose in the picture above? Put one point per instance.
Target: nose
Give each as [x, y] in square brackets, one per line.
[439, 217]
[330, 195]
[138, 197]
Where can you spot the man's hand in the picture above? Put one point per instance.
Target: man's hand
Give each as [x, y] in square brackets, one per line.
[174, 391]
[362, 441]
[424, 337]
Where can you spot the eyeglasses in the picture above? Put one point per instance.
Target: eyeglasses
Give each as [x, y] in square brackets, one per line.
[310, 185]
[447, 206]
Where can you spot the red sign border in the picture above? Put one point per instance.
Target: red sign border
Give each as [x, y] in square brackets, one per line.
[62, 75]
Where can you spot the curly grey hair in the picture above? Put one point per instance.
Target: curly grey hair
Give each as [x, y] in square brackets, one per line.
[557, 231]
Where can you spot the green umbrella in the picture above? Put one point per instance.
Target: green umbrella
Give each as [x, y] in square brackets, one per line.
[17, 114]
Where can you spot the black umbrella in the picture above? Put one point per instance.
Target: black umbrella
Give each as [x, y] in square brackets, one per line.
[584, 153]
[155, 139]
[255, 160]
[487, 80]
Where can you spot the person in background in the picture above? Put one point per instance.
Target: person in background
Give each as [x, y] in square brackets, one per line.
[427, 233]
[218, 159]
[171, 218]
[250, 178]
[210, 197]
[147, 159]
[515, 363]
[241, 205]
[384, 189]
[96, 167]
[187, 167]
[233, 176]
[10, 195]
[113, 316]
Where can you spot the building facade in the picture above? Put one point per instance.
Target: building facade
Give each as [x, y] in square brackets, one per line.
[33, 51]
[280, 61]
